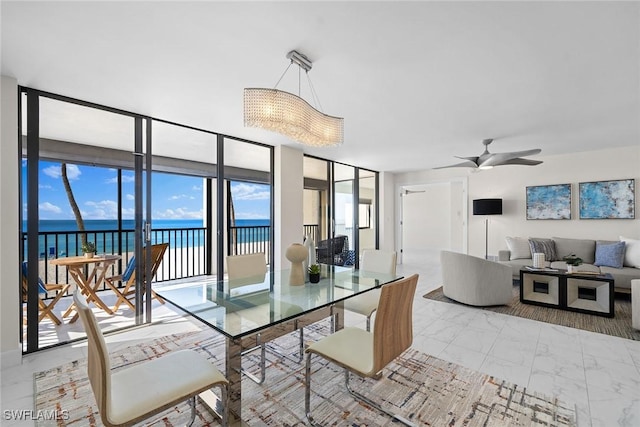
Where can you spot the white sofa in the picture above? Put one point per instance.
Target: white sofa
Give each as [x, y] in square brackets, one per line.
[583, 248]
[475, 281]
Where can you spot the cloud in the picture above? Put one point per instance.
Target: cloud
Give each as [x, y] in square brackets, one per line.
[73, 172]
[250, 215]
[104, 209]
[52, 171]
[48, 207]
[130, 197]
[180, 196]
[125, 179]
[179, 213]
[196, 188]
[45, 187]
[245, 191]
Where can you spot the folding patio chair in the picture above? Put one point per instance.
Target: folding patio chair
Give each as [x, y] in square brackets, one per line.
[127, 294]
[43, 290]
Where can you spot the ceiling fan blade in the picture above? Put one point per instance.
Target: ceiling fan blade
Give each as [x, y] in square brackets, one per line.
[467, 164]
[473, 159]
[519, 161]
[495, 159]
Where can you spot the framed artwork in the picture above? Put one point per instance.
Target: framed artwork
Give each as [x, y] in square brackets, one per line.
[607, 199]
[549, 202]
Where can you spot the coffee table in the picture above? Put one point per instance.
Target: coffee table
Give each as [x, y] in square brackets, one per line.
[580, 292]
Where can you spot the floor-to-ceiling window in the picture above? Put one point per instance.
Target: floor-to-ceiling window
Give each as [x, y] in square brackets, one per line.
[135, 182]
[340, 209]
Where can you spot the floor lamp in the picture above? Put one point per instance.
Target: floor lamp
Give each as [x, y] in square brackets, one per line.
[487, 207]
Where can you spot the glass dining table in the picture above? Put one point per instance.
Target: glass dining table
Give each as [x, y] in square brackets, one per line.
[252, 311]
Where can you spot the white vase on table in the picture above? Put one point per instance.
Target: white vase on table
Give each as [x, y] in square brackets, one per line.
[297, 254]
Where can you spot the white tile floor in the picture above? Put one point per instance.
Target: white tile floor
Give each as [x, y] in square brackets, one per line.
[599, 373]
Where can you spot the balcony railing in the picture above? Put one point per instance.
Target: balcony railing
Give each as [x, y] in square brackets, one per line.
[185, 258]
[249, 240]
[312, 230]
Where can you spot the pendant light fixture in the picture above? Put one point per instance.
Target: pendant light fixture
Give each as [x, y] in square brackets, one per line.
[289, 114]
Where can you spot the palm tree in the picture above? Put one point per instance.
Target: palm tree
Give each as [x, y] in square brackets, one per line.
[74, 205]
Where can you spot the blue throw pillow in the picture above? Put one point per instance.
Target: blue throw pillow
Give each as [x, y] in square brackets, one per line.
[610, 255]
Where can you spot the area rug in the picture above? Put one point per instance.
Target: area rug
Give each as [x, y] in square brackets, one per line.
[422, 388]
[619, 325]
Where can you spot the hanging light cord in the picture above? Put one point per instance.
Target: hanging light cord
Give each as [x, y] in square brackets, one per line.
[285, 72]
[314, 95]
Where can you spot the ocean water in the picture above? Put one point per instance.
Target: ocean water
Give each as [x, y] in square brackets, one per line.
[60, 238]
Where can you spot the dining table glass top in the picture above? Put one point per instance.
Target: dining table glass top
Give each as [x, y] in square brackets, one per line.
[245, 306]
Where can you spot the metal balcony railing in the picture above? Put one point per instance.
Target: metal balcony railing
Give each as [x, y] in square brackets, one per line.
[186, 256]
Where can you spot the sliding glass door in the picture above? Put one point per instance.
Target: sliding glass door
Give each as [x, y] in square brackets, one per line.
[340, 210]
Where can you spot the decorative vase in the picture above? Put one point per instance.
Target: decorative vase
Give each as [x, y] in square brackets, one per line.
[538, 260]
[314, 277]
[311, 249]
[297, 254]
[88, 254]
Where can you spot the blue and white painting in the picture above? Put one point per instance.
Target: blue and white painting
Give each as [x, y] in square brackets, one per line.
[549, 202]
[607, 199]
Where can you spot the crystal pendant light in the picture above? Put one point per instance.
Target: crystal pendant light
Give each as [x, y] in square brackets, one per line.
[290, 115]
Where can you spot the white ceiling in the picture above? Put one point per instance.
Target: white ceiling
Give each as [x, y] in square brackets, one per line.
[416, 82]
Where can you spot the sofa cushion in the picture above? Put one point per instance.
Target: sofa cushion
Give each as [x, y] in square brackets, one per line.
[609, 255]
[632, 252]
[545, 246]
[519, 247]
[622, 276]
[582, 248]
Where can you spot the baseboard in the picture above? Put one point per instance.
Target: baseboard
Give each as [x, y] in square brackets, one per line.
[10, 358]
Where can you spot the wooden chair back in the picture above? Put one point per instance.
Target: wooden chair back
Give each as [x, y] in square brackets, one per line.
[378, 261]
[157, 253]
[393, 329]
[99, 367]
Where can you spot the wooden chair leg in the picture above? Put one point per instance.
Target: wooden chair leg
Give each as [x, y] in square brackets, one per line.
[45, 310]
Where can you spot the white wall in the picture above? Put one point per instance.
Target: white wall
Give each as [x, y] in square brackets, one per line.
[10, 352]
[288, 191]
[386, 210]
[510, 182]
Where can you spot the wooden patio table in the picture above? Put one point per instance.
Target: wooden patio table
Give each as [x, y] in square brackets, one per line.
[76, 268]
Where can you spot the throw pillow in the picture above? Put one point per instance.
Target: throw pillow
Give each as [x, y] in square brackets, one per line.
[632, 252]
[609, 255]
[545, 246]
[519, 248]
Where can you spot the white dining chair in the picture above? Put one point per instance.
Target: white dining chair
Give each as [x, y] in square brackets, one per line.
[245, 270]
[367, 353]
[130, 395]
[375, 261]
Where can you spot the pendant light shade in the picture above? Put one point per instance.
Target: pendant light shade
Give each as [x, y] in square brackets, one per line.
[290, 115]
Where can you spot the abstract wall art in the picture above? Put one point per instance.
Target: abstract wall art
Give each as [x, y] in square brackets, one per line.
[607, 199]
[549, 202]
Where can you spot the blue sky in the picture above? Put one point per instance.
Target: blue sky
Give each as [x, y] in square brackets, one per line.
[174, 196]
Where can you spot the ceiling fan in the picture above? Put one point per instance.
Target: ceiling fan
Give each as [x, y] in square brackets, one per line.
[488, 160]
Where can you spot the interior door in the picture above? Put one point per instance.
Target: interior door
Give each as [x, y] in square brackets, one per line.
[433, 218]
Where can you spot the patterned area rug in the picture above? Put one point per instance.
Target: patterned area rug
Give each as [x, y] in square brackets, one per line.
[424, 389]
[619, 325]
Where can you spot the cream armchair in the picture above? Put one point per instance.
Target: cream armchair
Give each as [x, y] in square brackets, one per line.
[475, 281]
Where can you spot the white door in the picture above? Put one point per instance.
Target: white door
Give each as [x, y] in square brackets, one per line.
[433, 218]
